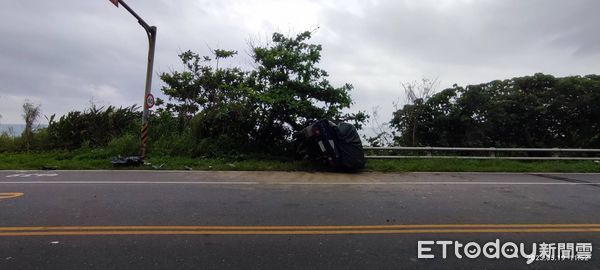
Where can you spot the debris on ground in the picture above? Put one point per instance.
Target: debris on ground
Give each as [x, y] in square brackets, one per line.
[119, 161]
[158, 167]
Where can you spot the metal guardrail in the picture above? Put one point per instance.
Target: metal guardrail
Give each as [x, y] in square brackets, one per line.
[554, 153]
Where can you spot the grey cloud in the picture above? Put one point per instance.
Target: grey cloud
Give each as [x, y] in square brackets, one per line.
[389, 42]
[64, 53]
[473, 31]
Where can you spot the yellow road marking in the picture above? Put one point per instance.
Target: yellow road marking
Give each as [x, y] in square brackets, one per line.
[305, 227]
[298, 230]
[10, 195]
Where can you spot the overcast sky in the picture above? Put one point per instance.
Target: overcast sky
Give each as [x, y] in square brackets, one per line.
[64, 54]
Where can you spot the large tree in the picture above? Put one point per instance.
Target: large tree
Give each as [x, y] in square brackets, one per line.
[532, 111]
[259, 107]
[293, 89]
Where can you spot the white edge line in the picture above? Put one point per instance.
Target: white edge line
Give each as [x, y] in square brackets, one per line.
[310, 172]
[291, 183]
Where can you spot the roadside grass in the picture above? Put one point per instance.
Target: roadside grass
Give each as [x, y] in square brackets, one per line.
[100, 159]
[473, 165]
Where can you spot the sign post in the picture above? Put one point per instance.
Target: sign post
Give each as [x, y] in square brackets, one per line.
[151, 32]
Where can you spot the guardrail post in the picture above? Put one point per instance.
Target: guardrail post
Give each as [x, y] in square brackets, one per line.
[555, 152]
[429, 152]
[493, 152]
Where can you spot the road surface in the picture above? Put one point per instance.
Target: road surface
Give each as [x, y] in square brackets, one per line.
[285, 220]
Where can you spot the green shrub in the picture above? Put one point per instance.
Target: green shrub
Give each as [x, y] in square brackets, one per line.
[9, 143]
[96, 125]
[125, 145]
[172, 144]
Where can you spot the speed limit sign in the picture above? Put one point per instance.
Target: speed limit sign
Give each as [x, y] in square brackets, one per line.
[149, 101]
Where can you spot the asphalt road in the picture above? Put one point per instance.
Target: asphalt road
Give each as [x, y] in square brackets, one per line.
[277, 220]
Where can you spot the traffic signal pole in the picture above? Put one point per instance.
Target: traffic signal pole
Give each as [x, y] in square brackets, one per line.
[148, 98]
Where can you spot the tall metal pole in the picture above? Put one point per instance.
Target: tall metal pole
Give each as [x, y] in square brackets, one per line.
[151, 32]
[145, 114]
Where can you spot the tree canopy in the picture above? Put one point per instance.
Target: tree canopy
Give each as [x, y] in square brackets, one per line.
[260, 107]
[531, 111]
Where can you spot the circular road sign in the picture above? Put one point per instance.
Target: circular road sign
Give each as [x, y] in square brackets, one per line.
[150, 101]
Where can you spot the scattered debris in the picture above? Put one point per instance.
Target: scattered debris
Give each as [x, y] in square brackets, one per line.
[119, 161]
[188, 168]
[231, 165]
[54, 242]
[157, 167]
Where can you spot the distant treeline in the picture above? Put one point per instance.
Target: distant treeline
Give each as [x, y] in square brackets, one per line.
[532, 111]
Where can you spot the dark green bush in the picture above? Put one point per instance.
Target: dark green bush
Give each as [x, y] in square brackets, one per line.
[536, 111]
[9, 143]
[125, 145]
[96, 125]
[173, 144]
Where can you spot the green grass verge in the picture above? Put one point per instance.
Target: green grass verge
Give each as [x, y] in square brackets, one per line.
[99, 159]
[472, 165]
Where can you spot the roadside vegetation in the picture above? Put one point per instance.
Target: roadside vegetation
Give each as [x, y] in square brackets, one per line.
[539, 111]
[98, 159]
[219, 117]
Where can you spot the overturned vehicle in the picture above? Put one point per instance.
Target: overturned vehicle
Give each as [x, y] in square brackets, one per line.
[338, 146]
